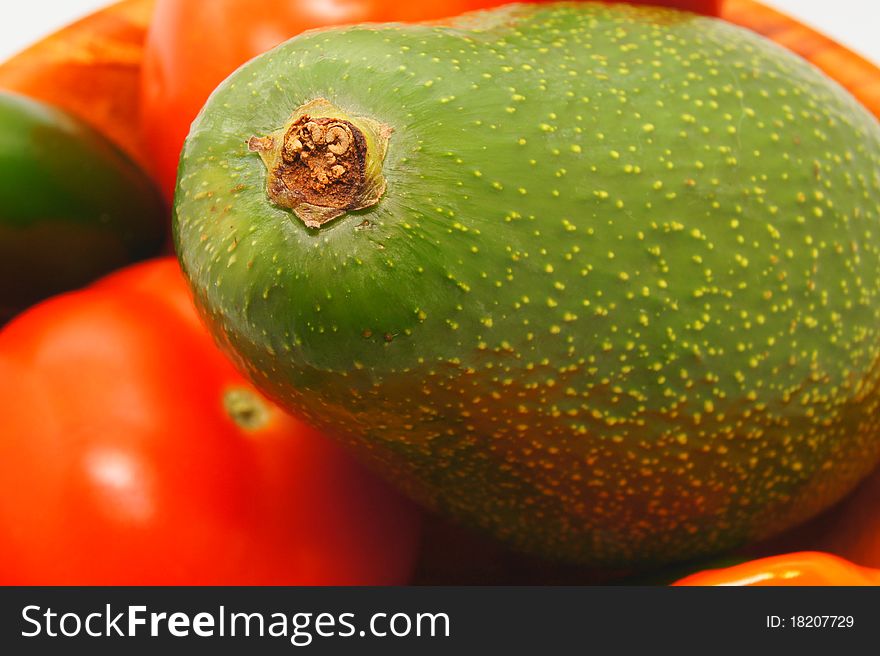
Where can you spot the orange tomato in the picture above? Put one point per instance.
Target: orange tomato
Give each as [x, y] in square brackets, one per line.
[803, 568]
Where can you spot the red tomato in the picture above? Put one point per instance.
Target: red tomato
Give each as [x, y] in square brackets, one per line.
[192, 45]
[804, 568]
[132, 452]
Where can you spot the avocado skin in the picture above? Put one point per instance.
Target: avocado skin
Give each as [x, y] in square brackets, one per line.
[619, 302]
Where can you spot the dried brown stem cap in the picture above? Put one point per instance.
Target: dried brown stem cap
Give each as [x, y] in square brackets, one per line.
[324, 162]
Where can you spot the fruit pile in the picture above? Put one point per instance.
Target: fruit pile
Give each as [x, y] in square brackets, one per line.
[596, 285]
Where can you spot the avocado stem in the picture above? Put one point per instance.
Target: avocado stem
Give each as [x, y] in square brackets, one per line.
[324, 162]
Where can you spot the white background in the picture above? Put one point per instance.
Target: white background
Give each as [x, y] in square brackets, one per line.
[855, 23]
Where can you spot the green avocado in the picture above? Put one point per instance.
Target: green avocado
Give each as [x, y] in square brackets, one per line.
[602, 280]
[72, 205]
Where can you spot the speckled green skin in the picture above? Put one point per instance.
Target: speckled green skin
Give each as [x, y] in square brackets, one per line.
[619, 303]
